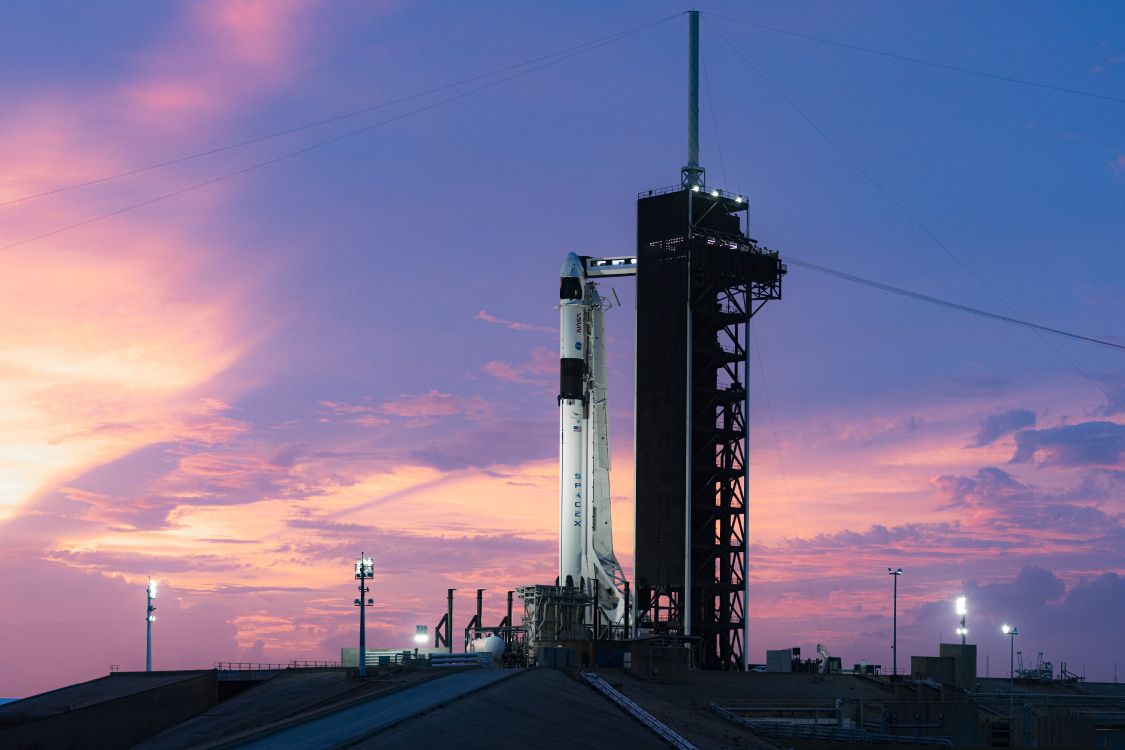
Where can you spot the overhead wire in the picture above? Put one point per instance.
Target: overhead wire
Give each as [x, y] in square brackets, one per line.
[951, 305]
[529, 66]
[902, 208]
[568, 52]
[714, 119]
[576, 51]
[920, 61]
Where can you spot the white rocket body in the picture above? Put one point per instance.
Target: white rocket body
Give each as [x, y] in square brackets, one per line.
[572, 423]
[586, 558]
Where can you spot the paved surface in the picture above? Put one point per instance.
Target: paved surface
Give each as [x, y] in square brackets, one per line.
[347, 725]
[535, 710]
[685, 707]
[280, 700]
[117, 685]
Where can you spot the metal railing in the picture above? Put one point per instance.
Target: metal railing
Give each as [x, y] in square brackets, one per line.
[314, 665]
[461, 660]
[792, 730]
[385, 658]
[637, 712]
[256, 666]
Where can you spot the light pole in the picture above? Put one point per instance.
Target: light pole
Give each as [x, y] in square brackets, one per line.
[961, 610]
[150, 618]
[364, 570]
[1011, 631]
[896, 572]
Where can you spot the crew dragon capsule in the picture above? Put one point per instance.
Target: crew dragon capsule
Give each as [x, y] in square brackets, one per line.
[586, 559]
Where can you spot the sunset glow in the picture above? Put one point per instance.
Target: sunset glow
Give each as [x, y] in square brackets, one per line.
[234, 373]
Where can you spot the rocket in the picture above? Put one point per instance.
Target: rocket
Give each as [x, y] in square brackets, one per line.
[586, 559]
[573, 314]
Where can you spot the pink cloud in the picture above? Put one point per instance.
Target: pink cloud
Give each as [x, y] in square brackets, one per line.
[431, 404]
[1109, 62]
[357, 414]
[511, 324]
[114, 331]
[538, 369]
[419, 410]
[184, 98]
[260, 32]
[222, 57]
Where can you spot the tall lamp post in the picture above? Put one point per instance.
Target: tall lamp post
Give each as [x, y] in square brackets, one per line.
[896, 572]
[364, 571]
[962, 609]
[1011, 631]
[150, 618]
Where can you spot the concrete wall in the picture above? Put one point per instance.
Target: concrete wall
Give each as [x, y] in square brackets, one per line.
[779, 660]
[663, 664]
[940, 669]
[954, 719]
[964, 663]
[1054, 731]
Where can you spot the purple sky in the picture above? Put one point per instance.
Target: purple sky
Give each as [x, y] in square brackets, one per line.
[236, 388]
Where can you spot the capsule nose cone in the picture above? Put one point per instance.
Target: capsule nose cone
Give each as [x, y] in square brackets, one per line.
[571, 267]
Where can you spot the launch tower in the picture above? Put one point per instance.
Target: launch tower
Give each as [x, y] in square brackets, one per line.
[700, 278]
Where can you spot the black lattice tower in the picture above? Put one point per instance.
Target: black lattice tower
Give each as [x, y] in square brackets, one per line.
[700, 279]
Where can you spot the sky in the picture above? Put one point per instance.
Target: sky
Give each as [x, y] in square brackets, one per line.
[279, 286]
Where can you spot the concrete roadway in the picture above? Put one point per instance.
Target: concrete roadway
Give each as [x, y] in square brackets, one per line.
[351, 724]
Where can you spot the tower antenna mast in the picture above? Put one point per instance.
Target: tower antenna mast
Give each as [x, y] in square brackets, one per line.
[693, 174]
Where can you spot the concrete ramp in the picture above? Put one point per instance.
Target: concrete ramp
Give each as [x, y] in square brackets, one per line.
[541, 709]
[347, 726]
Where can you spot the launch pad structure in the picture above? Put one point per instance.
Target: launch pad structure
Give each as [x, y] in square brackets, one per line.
[700, 280]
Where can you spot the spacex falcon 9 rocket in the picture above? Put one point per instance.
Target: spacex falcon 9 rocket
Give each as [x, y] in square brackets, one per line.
[586, 559]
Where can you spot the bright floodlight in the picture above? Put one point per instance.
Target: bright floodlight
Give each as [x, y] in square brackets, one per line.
[152, 589]
[738, 199]
[364, 567]
[695, 188]
[961, 609]
[1009, 630]
[715, 193]
[962, 631]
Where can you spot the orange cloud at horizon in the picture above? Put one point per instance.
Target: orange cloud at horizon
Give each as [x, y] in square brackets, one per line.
[116, 332]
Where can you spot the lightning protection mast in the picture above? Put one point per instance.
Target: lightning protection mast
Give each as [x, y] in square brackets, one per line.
[364, 571]
[150, 618]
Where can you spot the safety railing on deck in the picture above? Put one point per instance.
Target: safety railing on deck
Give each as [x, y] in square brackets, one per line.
[794, 730]
[256, 666]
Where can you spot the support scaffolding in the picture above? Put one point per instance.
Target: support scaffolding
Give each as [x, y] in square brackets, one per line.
[553, 614]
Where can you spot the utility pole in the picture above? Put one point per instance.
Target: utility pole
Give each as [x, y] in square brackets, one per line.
[896, 572]
[1011, 631]
[364, 570]
[150, 618]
